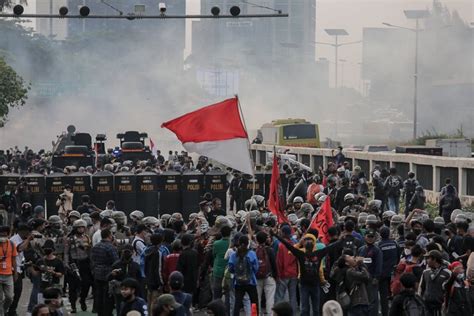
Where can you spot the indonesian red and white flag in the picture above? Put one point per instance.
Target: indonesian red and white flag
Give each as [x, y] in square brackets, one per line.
[215, 131]
[152, 147]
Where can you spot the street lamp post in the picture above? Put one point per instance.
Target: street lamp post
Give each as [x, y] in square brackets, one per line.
[414, 15]
[336, 33]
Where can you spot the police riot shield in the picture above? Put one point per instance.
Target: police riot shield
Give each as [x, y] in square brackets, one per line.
[10, 181]
[147, 193]
[102, 188]
[251, 186]
[192, 190]
[36, 187]
[55, 183]
[169, 192]
[125, 187]
[215, 182]
[80, 183]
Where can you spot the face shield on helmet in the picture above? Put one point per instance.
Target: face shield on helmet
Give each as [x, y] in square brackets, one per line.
[120, 218]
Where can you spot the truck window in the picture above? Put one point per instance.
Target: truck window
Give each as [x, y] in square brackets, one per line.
[306, 131]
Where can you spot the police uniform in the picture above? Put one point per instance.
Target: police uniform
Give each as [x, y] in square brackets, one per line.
[76, 258]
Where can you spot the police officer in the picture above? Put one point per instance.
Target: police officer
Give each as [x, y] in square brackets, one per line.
[123, 234]
[352, 208]
[76, 260]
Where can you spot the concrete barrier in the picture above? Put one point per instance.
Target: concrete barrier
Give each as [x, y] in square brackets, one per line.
[430, 171]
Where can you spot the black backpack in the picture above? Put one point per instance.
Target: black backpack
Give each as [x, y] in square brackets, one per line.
[243, 273]
[413, 306]
[410, 186]
[394, 183]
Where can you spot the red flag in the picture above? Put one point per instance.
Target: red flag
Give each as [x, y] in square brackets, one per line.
[275, 199]
[215, 131]
[323, 220]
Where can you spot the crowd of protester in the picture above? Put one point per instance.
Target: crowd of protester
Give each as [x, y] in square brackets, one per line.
[386, 253]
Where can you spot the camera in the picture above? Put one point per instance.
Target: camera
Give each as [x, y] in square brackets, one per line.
[162, 7]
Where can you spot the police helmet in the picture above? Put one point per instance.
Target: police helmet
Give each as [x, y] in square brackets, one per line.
[259, 199]
[375, 204]
[454, 214]
[307, 208]
[349, 197]
[320, 197]
[254, 214]
[439, 220]
[396, 220]
[136, 215]
[222, 221]
[341, 219]
[151, 221]
[193, 216]
[362, 218]
[74, 214]
[371, 219]
[388, 215]
[293, 218]
[165, 219]
[120, 217]
[54, 219]
[298, 199]
[460, 218]
[106, 213]
[241, 214]
[79, 223]
[232, 221]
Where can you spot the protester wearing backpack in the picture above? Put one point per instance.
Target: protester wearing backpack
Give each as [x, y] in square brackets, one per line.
[138, 242]
[392, 186]
[152, 267]
[244, 265]
[266, 273]
[407, 303]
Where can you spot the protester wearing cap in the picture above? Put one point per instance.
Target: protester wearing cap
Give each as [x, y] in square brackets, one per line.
[374, 262]
[176, 282]
[432, 281]
[166, 305]
[131, 302]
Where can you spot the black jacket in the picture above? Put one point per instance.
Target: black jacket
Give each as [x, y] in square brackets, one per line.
[397, 304]
[188, 265]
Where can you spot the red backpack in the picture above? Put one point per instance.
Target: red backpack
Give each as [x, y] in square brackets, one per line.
[264, 265]
[402, 267]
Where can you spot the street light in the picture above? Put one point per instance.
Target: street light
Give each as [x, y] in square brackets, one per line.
[416, 15]
[336, 33]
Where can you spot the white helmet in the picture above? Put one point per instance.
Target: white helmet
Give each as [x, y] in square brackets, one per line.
[151, 222]
[293, 218]
[106, 213]
[455, 213]
[298, 199]
[241, 214]
[136, 216]
[388, 215]
[79, 223]
[320, 197]
[348, 197]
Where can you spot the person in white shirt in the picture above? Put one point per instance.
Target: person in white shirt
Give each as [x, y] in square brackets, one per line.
[105, 223]
[138, 243]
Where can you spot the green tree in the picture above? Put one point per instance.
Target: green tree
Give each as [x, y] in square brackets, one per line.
[13, 91]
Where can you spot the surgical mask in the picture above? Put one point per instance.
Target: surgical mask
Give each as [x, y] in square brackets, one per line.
[3, 239]
[407, 252]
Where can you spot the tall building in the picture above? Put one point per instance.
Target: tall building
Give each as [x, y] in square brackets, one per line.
[52, 28]
[247, 48]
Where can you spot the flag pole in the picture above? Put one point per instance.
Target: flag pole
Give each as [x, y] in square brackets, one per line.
[248, 142]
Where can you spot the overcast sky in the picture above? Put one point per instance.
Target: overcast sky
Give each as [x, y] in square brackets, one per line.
[353, 15]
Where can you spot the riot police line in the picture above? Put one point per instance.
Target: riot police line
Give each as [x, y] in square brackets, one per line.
[149, 192]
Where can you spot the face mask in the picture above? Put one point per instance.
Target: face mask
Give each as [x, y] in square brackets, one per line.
[407, 252]
[3, 239]
[7, 192]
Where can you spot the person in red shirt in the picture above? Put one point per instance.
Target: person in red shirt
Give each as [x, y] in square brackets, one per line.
[8, 272]
[171, 260]
[287, 268]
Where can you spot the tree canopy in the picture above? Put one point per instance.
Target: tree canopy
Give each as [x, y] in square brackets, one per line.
[13, 90]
